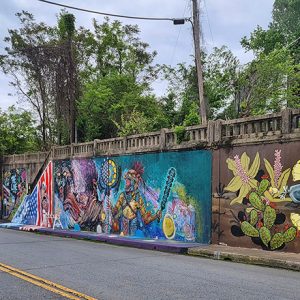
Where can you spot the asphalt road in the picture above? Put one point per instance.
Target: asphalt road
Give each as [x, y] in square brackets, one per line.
[112, 272]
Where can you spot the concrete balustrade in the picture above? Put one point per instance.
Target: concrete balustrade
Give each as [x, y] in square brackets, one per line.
[255, 129]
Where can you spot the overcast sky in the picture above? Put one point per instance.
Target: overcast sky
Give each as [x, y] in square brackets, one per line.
[224, 22]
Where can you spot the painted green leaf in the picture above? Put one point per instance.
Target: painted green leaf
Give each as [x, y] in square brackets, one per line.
[253, 217]
[263, 186]
[255, 166]
[269, 216]
[276, 241]
[234, 185]
[231, 165]
[256, 201]
[265, 235]
[289, 235]
[245, 161]
[242, 193]
[283, 179]
[270, 171]
[249, 230]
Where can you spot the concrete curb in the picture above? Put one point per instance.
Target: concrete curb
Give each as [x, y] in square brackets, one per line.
[246, 259]
[148, 244]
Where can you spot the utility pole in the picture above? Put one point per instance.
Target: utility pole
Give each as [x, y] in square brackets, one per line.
[196, 34]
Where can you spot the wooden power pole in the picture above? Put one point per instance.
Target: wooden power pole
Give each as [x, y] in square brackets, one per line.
[196, 34]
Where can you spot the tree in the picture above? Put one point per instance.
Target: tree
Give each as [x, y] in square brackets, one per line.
[116, 84]
[18, 133]
[108, 103]
[271, 81]
[221, 69]
[29, 63]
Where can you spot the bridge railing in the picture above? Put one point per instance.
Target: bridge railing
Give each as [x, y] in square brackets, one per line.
[255, 128]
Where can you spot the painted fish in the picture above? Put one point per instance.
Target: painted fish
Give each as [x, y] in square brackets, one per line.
[294, 192]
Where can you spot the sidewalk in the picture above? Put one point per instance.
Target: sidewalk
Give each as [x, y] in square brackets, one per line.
[284, 260]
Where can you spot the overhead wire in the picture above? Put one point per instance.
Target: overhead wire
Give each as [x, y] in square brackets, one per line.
[212, 38]
[109, 14]
[179, 32]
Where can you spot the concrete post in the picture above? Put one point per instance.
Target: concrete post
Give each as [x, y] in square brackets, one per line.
[286, 120]
[218, 131]
[72, 149]
[162, 139]
[210, 131]
[94, 147]
[125, 143]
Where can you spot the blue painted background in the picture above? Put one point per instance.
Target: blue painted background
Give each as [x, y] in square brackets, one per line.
[82, 197]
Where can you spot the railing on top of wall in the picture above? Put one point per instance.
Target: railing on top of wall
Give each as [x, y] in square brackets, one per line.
[244, 130]
[25, 158]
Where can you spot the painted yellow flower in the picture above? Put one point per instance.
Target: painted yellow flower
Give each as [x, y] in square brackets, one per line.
[278, 179]
[244, 176]
[295, 218]
[296, 171]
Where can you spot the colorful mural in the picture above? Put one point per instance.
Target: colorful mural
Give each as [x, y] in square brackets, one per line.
[14, 191]
[162, 195]
[27, 211]
[261, 189]
[37, 208]
[45, 198]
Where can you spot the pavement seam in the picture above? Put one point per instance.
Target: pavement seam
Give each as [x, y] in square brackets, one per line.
[247, 259]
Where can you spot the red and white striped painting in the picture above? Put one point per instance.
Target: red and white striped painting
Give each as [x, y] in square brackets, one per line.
[45, 198]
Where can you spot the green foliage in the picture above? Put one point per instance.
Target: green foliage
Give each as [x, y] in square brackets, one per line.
[17, 132]
[249, 230]
[272, 80]
[66, 25]
[134, 123]
[221, 70]
[114, 105]
[192, 118]
[181, 134]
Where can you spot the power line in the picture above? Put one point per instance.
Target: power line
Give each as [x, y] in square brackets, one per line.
[174, 50]
[109, 14]
[212, 38]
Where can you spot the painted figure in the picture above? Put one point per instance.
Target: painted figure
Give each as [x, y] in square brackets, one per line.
[130, 208]
[44, 206]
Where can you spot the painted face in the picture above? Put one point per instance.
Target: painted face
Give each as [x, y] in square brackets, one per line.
[45, 204]
[130, 180]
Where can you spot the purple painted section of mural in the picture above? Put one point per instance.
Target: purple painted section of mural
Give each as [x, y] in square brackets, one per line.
[142, 196]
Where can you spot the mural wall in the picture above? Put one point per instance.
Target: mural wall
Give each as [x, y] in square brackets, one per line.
[14, 191]
[45, 198]
[37, 208]
[27, 211]
[257, 199]
[161, 195]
